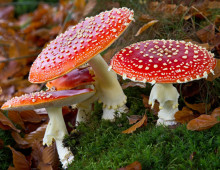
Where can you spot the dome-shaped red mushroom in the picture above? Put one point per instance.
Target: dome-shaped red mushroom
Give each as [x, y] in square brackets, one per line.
[164, 62]
[80, 44]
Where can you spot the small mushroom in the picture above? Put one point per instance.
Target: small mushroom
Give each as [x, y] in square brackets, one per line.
[78, 78]
[164, 62]
[80, 44]
[53, 102]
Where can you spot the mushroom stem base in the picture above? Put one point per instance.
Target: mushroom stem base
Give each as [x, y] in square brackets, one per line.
[167, 96]
[109, 114]
[108, 89]
[56, 130]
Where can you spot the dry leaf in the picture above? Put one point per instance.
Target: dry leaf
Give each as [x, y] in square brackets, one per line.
[30, 116]
[200, 107]
[15, 117]
[43, 166]
[19, 140]
[155, 109]
[50, 156]
[133, 84]
[36, 135]
[145, 27]
[184, 115]
[216, 113]
[212, 77]
[214, 4]
[1, 143]
[36, 154]
[206, 34]
[202, 122]
[6, 124]
[89, 7]
[133, 166]
[19, 160]
[137, 125]
[134, 118]
[192, 156]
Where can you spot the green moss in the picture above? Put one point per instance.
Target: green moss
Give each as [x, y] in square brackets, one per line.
[105, 147]
[5, 153]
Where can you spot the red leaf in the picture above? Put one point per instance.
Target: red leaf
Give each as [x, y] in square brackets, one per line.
[202, 122]
[19, 160]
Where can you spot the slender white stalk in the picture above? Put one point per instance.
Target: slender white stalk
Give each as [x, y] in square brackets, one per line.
[167, 96]
[56, 130]
[108, 88]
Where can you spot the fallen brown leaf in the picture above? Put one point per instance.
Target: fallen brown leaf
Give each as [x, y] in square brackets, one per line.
[36, 154]
[19, 160]
[15, 117]
[133, 84]
[212, 77]
[184, 115]
[30, 116]
[134, 118]
[192, 156]
[216, 113]
[137, 125]
[206, 34]
[50, 156]
[202, 122]
[36, 135]
[19, 140]
[146, 26]
[6, 124]
[155, 109]
[200, 107]
[1, 143]
[133, 166]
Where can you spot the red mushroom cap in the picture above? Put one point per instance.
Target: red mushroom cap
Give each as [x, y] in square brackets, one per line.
[79, 44]
[163, 61]
[47, 99]
[77, 77]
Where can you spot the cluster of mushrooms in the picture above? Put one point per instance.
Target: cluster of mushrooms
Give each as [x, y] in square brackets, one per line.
[71, 81]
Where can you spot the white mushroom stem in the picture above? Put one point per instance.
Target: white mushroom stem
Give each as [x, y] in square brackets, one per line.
[108, 88]
[56, 130]
[167, 96]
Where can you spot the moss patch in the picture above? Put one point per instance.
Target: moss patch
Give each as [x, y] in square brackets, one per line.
[105, 147]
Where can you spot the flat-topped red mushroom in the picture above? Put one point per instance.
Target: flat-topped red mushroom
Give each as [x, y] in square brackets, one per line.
[73, 79]
[80, 44]
[164, 62]
[53, 102]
